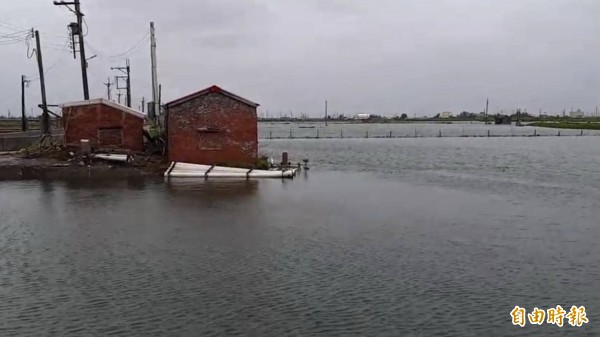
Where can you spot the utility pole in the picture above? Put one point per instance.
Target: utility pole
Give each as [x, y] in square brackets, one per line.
[108, 84]
[45, 128]
[24, 81]
[128, 83]
[143, 102]
[155, 93]
[78, 30]
[119, 94]
[487, 102]
[325, 112]
[127, 71]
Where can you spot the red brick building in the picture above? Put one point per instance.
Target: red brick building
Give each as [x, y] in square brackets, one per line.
[105, 123]
[212, 127]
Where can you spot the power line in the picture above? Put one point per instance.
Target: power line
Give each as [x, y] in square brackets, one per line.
[95, 50]
[116, 57]
[139, 44]
[15, 34]
[60, 61]
[49, 36]
[61, 46]
[87, 29]
[54, 65]
[29, 56]
[8, 42]
[9, 25]
[12, 41]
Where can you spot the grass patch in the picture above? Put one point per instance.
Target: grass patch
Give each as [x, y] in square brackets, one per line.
[262, 163]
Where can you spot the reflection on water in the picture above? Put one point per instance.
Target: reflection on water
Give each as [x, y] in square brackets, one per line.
[436, 239]
[83, 183]
[213, 188]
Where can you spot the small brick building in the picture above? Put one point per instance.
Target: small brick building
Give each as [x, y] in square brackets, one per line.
[212, 127]
[105, 123]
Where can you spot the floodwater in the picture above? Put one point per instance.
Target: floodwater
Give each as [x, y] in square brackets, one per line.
[382, 237]
[278, 130]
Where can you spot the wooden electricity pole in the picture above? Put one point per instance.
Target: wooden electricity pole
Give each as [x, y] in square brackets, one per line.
[78, 30]
[45, 127]
[128, 84]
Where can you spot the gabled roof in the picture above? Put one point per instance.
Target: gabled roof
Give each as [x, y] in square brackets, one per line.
[111, 104]
[213, 89]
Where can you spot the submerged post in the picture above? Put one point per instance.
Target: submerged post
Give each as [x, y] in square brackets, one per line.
[534, 132]
[581, 132]
[290, 133]
[342, 133]
[317, 133]
[440, 134]
[415, 132]
[367, 134]
[390, 134]
[284, 159]
[488, 132]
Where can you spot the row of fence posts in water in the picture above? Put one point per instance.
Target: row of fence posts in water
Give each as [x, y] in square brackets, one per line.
[391, 135]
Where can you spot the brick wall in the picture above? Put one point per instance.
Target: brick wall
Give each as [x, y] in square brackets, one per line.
[89, 121]
[213, 129]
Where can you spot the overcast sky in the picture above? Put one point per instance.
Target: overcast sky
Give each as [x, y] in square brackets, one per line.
[381, 56]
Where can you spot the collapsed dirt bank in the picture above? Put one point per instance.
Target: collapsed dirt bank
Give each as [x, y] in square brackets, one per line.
[60, 164]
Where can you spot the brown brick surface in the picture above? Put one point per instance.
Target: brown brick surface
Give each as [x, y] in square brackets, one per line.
[213, 129]
[89, 121]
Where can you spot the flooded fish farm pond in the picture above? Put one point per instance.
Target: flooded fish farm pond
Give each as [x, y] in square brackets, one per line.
[381, 237]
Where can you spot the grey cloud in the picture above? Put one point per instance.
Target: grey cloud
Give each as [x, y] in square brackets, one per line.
[384, 56]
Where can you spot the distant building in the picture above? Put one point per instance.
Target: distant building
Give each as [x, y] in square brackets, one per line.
[106, 124]
[212, 127]
[446, 114]
[362, 116]
[502, 120]
[576, 114]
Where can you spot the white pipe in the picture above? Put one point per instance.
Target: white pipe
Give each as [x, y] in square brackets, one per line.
[180, 166]
[169, 169]
[195, 167]
[112, 157]
[200, 171]
[253, 174]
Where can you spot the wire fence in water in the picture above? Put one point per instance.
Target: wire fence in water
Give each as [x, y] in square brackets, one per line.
[341, 133]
